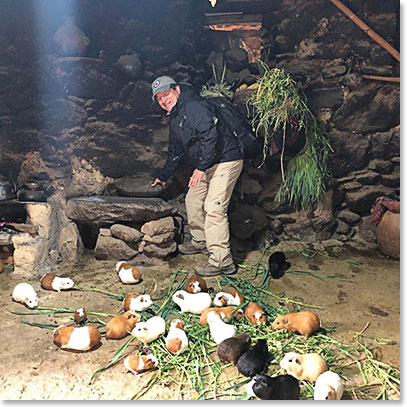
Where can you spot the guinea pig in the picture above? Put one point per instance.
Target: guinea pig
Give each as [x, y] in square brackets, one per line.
[255, 313]
[150, 330]
[176, 340]
[304, 322]
[304, 367]
[230, 349]
[50, 281]
[80, 316]
[140, 363]
[254, 360]
[284, 387]
[230, 297]
[219, 330]
[278, 264]
[196, 284]
[127, 273]
[25, 293]
[193, 303]
[79, 339]
[137, 302]
[223, 312]
[118, 327]
[328, 386]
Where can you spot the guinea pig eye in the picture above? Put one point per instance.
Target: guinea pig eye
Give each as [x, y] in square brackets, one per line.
[290, 360]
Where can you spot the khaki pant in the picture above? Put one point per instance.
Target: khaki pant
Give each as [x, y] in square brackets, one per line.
[207, 207]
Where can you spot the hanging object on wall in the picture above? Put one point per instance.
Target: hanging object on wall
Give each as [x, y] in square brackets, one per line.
[69, 40]
[130, 64]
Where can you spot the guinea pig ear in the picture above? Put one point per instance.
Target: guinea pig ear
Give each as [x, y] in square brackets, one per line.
[285, 321]
[297, 361]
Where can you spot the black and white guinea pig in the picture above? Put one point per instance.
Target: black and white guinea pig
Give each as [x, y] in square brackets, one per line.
[254, 360]
[284, 387]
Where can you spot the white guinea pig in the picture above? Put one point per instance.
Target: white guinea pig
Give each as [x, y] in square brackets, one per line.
[50, 281]
[25, 293]
[329, 386]
[219, 330]
[176, 341]
[149, 330]
[304, 367]
[137, 302]
[193, 303]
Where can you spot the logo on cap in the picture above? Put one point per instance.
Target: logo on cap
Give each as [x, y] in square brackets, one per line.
[156, 83]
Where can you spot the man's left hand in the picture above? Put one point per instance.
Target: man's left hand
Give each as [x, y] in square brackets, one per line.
[196, 178]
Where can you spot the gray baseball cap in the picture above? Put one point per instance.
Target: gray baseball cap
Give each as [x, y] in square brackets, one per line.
[162, 83]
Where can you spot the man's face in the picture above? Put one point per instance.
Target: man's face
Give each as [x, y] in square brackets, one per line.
[168, 98]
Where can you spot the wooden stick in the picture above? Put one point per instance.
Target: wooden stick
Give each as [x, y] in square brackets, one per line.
[367, 30]
[381, 78]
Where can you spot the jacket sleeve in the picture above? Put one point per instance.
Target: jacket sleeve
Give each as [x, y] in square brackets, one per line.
[175, 153]
[202, 118]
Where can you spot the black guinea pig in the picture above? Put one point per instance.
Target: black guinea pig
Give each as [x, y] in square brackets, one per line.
[278, 265]
[284, 387]
[253, 361]
[232, 348]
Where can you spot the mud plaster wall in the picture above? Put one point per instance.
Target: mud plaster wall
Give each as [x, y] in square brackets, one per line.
[81, 122]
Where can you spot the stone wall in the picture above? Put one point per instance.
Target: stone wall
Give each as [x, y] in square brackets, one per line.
[86, 123]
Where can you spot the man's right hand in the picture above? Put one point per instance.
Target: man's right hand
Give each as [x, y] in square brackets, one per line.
[158, 181]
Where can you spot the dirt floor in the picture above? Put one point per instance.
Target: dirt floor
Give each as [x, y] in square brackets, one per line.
[33, 367]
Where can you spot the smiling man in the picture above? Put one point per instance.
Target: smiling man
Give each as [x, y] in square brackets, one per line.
[217, 162]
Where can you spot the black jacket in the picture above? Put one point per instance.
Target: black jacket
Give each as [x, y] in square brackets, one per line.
[193, 132]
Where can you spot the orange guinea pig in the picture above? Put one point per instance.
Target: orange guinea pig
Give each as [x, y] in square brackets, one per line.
[255, 313]
[223, 312]
[304, 322]
[118, 326]
[196, 284]
[140, 363]
[127, 273]
[79, 339]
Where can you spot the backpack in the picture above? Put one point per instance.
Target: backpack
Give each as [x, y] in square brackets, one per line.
[233, 119]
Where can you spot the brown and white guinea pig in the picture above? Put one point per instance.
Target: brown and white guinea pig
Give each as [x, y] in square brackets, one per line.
[50, 281]
[25, 293]
[77, 338]
[196, 284]
[230, 349]
[223, 312]
[80, 316]
[127, 273]
[219, 330]
[137, 302]
[304, 367]
[149, 330]
[193, 303]
[255, 313]
[230, 297]
[140, 363]
[329, 386]
[118, 327]
[304, 322]
[176, 340]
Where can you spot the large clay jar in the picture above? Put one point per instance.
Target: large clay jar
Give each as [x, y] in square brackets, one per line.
[388, 234]
[69, 40]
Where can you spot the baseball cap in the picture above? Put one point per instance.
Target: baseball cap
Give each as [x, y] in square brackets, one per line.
[162, 83]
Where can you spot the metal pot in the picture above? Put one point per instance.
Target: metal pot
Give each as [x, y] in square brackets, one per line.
[7, 190]
[31, 195]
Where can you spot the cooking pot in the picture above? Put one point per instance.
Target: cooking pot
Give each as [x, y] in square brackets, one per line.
[31, 195]
[7, 189]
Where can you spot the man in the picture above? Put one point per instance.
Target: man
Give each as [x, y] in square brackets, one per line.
[218, 163]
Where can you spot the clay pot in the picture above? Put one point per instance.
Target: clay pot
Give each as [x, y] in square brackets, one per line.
[388, 234]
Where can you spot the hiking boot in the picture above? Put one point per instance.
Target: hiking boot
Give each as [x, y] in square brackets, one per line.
[190, 248]
[208, 270]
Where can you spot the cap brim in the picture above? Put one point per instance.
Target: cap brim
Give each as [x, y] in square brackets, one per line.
[161, 89]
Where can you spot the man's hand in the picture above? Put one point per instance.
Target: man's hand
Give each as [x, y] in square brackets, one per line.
[158, 181]
[196, 178]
